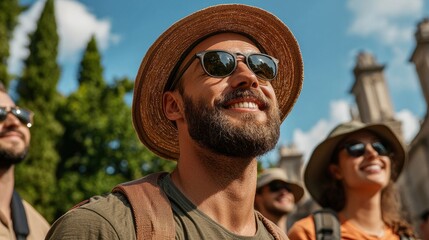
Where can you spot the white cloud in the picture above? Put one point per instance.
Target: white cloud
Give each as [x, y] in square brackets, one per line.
[410, 124]
[307, 141]
[18, 45]
[383, 19]
[75, 27]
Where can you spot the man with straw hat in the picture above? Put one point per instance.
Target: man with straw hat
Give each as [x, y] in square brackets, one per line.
[276, 195]
[210, 93]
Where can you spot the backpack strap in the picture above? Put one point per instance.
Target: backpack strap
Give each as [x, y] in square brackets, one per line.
[272, 228]
[19, 219]
[151, 208]
[326, 225]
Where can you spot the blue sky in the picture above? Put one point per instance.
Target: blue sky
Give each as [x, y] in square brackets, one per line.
[330, 34]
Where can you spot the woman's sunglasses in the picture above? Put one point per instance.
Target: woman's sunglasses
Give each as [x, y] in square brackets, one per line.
[219, 64]
[358, 149]
[276, 186]
[24, 116]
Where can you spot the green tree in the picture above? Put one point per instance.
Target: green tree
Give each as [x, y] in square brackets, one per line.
[9, 11]
[37, 90]
[99, 148]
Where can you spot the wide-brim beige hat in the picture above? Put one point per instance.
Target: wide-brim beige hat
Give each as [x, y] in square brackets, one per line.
[271, 174]
[316, 175]
[163, 58]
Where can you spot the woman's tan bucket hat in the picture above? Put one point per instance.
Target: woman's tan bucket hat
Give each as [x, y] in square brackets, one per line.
[163, 58]
[315, 175]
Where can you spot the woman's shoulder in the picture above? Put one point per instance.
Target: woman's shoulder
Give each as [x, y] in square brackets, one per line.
[302, 229]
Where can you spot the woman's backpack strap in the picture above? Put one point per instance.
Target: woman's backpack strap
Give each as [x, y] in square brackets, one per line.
[327, 225]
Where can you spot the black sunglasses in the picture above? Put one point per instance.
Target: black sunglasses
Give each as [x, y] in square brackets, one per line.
[25, 116]
[276, 186]
[219, 64]
[357, 149]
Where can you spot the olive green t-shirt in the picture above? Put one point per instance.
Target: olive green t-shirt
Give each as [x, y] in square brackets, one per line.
[191, 223]
[110, 217]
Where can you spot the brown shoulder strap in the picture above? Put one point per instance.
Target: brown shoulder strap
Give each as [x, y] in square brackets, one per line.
[151, 208]
[277, 233]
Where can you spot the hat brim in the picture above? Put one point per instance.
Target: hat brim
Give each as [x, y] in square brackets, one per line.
[316, 174]
[297, 191]
[270, 34]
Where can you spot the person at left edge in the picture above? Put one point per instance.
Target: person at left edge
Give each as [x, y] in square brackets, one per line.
[15, 135]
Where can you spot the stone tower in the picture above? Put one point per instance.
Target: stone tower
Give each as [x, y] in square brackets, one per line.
[291, 160]
[371, 93]
[420, 56]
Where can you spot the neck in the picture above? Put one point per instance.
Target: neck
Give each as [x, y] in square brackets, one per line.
[221, 187]
[364, 211]
[6, 185]
[282, 223]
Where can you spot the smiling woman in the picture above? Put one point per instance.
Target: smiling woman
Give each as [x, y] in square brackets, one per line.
[353, 172]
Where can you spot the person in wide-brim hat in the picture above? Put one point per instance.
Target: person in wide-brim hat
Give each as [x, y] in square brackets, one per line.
[161, 61]
[216, 84]
[277, 174]
[277, 195]
[315, 177]
[352, 174]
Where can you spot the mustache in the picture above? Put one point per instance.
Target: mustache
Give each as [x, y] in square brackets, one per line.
[244, 93]
[7, 131]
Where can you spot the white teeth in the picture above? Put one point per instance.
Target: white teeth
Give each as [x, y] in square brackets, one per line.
[250, 105]
[373, 168]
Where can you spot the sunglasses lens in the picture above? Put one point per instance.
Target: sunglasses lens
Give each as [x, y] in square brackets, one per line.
[22, 114]
[3, 114]
[263, 66]
[356, 149]
[218, 64]
[276, 186]
[380, 148]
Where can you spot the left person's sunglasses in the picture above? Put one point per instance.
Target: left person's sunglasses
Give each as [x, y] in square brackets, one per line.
[24, 116]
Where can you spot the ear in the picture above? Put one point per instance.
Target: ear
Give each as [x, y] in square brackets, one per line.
[172, 105]
[335, 171]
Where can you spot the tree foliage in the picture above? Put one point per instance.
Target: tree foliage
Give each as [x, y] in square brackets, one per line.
[99, 148]
[83, 144]
[37, 89]
[9, 11]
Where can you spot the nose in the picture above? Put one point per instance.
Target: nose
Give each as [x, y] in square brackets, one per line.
[370, 150]
[11, 120]
[243, 77]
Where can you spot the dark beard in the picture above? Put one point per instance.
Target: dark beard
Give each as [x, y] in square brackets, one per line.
[9, 158]
[210, 128]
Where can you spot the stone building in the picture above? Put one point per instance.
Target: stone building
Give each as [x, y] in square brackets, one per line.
[415, 178]
[375, 106]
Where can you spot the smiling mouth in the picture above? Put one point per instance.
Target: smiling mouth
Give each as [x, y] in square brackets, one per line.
[248, 105]
[372, 167]
[11, 134]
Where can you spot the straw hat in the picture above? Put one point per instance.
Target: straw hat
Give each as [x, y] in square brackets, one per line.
[271, 174]
[315, 175]
[163, 58]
